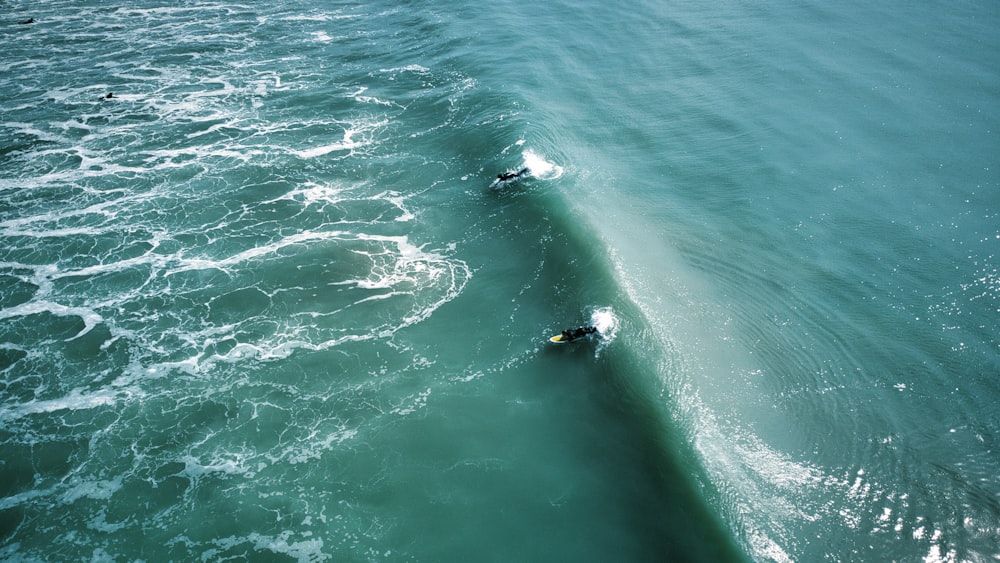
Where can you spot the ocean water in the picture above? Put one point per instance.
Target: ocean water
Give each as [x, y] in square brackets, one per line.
[262, 303]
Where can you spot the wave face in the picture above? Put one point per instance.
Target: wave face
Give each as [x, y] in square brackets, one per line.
[262, 302]
[802, 206]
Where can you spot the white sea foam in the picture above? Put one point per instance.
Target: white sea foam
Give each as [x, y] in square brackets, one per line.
[321, 36]
[606, 322]
[370, 99]
[347, 143]
[308, 18]
[398, 270]
[415, 68]
[305, 551]
[89, 317]
[541, 168]
[97, 490]
[412, 403]
[313, 448]
[178, 218]
[76, 400]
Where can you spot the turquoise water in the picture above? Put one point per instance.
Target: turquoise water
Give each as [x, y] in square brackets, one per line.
[262, 304]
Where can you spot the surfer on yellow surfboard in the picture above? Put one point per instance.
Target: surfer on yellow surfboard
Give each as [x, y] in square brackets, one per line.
[574, 334]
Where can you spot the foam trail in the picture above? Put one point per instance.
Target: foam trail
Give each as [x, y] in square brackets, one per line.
[89, 317]
[606, 322]
[541, 168]
[75, 400]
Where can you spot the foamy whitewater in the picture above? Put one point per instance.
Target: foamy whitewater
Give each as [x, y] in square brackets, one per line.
[261, 297]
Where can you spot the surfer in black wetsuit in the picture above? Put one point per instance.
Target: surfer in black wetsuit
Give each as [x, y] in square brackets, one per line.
[28, 21]
[110, 95]
[511, 174]
[570, 335]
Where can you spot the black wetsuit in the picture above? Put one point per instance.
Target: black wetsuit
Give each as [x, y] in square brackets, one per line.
[569, 335]
[511, 175]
